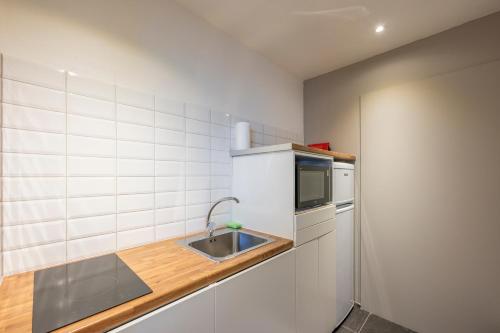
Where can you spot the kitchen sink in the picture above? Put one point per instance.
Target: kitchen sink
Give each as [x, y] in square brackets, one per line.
[225, 244]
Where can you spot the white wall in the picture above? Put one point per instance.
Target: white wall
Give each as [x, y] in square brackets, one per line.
[64, 183]
[421, 246]
[156, 46]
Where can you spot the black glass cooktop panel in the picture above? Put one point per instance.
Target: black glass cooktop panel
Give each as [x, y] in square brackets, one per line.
[68, 293]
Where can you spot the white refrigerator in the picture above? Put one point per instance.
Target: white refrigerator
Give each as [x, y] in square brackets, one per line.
[344, 201]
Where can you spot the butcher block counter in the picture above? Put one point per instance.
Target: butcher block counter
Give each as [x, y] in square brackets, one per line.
[169, 269]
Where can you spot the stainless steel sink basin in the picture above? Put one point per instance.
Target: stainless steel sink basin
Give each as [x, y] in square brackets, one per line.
[225, 244]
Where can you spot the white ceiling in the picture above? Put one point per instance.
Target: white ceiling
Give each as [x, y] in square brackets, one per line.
[312, 37]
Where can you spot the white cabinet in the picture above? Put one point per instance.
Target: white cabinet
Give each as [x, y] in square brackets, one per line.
[307, 288]
[259, 299]
[327, 281]
[315, 286]
[193, 313]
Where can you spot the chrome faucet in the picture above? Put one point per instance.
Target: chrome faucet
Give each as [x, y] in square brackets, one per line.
[211, 225]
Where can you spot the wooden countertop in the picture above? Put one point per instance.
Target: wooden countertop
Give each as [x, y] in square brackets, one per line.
[338, 156]
[169, 269]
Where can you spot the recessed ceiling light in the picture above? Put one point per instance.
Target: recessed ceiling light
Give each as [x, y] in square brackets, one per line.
[379, 28]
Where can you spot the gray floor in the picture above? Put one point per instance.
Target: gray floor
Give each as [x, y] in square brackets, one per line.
[361, 321]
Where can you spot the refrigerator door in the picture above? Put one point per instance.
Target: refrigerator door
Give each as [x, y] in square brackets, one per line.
[345, 262]
[344, 183]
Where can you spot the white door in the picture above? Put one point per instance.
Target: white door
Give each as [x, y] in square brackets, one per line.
[193, 313]
[327, 280]
[345, 261]
[259, 299]
[307, 307]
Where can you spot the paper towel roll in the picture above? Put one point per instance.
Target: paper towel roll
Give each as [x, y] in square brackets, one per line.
[242, 135]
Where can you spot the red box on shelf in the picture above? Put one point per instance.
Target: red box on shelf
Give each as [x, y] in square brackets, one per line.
[323, 145]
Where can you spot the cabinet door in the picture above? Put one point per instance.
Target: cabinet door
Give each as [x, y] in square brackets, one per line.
[193, 313]
[307, 288]
[259, 299]
[327, 280]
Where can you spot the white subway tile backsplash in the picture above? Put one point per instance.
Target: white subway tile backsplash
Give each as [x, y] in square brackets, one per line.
[91, 206]
[91, 166]
[33, 165]
[168, 168]
[136, 185]
[169, 199]
[223, 208]
[221, 182]
[257, 137]
[165, 105]
[195, 211]
[170, 153]
[133, 132]
[256, 127]
[220, 169]
[135, 115]
[220, 131]
[135, 168]
[197, 169]
[88, 146]
[168, 184]
[170, 230]
[221, 219]
[22, 117]
[280, 140]
[92, 127]
[220, 144]
[197, 112]
[134, 220]
[34, 257]
[89, 87]
[25, 94]
[135, 202]
[197, 183]
[138, 150]
[21, 70]
[28, 188]
[198, 155]
[268, 139]
[20, 236]
[197, 197]
[91, 226]
[134, 98]
[25, 212]
[168, 137]
[218, 194]
[220, 156]
[168, 215]
[269, 130]
[21, 141]
[197, 141]
[195, 225]
[90, 186]
[91, 246]
[121, 168]
[170, 122]
[136, 237]
[91, 107]
[197, 127]
[220, 118]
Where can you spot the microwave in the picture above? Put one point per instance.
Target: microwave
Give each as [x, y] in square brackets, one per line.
[313, 182]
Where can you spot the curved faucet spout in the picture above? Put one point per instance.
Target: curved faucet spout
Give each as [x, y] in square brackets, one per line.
[211, 225]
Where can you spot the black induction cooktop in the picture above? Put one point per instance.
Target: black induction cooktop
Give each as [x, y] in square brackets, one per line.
[71, 292]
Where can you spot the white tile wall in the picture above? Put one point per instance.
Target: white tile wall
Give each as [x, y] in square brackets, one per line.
[90, 168]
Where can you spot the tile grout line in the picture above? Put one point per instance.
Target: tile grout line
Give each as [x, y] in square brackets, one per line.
[116, 164]
[155, 229]
[66, 163]
[364, 323]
